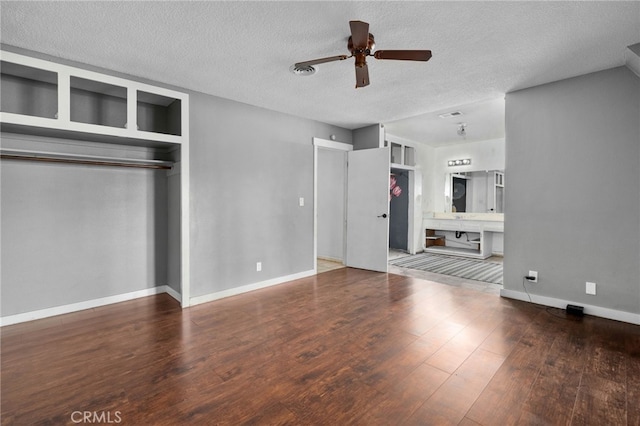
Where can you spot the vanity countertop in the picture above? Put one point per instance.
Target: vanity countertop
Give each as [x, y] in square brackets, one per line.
[492, 217]
[473, 222]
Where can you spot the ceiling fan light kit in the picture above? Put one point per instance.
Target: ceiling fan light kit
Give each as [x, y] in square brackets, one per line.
[362, 44]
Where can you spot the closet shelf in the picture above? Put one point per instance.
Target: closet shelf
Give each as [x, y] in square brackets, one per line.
[49, 99]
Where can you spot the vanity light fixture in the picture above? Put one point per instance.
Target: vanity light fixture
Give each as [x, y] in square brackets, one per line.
[463, 162]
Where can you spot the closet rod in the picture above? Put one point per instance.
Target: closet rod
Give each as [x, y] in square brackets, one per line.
[85, 162]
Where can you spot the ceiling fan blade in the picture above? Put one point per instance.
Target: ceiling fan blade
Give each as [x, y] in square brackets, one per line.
[404, 55]
[359, 34]
[362, 76]
[320, 61]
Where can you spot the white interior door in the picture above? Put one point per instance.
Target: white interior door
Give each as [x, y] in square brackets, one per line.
[368, 209]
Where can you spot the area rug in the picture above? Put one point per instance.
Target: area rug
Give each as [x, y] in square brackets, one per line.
[471, 269]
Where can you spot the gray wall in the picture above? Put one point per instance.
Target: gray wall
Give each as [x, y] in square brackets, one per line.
[331, 203]
[367, 137]
[572, 197]
[249, 167]
[72, 233]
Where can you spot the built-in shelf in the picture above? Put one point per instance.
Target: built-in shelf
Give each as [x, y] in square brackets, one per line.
[434, 240]
[95, 102]
[160, 114]
[28, 91]
[38, 94]
[402, 154]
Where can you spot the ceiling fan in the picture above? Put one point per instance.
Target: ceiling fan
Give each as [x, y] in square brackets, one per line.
[361, 44]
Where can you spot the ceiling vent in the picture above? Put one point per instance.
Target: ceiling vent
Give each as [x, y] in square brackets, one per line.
[450, 114]
[303, 70]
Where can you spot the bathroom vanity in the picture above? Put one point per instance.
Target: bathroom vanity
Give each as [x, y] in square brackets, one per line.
[474, 235]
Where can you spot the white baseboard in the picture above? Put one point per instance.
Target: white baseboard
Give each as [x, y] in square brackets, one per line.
[596, 311]
[94, 303]
[250, 287]
[87, 304]
[331, 259]
[171, 292]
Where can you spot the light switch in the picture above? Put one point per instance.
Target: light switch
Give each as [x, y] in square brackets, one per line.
[301, 201]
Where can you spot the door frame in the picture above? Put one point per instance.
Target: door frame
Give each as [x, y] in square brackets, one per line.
[414, 217]
[319, 143]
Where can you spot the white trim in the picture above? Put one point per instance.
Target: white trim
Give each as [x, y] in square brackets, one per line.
[185, 202]
[87, 304]
[315, 207]
[171, 292]
[325, 143]
[249, 287]
[596, 311]
[401, 141]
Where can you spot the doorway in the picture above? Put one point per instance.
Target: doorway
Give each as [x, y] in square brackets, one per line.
[399, 194]
[330, 204]
[405, 211]
[361, 239]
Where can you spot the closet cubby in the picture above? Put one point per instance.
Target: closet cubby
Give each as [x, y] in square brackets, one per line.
[28, 91]
[95, 102]
[159, 114]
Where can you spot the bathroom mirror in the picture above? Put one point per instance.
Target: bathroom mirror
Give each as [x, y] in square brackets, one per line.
[479, 191]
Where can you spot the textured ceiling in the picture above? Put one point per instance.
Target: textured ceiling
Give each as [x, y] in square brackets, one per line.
[243, 51]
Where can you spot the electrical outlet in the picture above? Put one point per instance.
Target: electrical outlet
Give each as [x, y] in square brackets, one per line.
[591, 288]
[301, 201]
[533, 274]
[258, 266]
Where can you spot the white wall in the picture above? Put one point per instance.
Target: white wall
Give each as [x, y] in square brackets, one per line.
[572, 200]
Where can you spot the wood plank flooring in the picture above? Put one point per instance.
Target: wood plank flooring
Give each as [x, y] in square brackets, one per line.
[344, 347]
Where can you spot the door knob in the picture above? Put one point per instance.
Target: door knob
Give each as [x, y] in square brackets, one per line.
[383, 215]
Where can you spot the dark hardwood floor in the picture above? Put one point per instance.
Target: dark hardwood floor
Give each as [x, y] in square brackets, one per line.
[344, 347]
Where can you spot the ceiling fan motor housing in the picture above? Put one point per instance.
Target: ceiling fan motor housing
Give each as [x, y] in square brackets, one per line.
[361, 52]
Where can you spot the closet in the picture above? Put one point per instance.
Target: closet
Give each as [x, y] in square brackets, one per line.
[95, 188]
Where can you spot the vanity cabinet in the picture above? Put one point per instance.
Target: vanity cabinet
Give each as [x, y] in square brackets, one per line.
[434, 240]
[475, 237]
